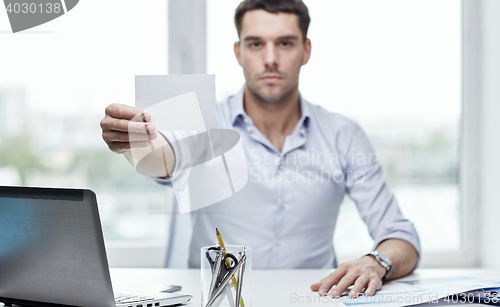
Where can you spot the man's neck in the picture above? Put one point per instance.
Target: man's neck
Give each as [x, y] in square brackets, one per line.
[276, 121]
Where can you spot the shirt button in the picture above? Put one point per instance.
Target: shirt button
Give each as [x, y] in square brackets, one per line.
[278, 242]
[283, 205]
[280, 167]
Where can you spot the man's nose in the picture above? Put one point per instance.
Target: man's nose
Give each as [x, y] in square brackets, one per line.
[271, 56]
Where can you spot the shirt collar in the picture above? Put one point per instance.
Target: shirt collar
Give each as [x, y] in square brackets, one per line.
[237, 109]
[236, 105]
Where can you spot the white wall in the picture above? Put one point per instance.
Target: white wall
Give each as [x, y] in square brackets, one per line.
[488, 96]
[148, 255]
[490, 135]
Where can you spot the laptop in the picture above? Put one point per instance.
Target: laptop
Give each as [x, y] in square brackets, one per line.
[52, 252]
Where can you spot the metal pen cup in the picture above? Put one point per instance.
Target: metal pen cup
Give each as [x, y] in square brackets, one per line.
[226, 276]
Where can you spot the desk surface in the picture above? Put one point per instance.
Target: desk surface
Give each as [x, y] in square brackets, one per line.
[269, 287]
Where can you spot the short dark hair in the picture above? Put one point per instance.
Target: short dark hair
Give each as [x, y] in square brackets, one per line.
[296, 7]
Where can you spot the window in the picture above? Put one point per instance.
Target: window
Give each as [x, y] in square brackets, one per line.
[393, 65]
[56, 81]
[395, 68]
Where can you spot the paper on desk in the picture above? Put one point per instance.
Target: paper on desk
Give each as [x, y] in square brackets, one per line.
[409, 292]
[423, 290]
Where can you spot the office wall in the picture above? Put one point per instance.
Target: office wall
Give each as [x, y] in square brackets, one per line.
[490, 135]
[123, 255]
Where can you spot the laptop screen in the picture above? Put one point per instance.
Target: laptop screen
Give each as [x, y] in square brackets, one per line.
[52, 248]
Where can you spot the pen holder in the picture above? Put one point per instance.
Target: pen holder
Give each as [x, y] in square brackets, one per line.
[226, 276]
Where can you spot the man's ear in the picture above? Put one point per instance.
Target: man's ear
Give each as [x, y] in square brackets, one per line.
[237, 52]
[307, 51]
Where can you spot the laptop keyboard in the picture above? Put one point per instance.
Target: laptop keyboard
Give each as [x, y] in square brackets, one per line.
[131, 299]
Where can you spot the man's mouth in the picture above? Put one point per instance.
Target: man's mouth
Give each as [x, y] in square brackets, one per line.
[271, 79]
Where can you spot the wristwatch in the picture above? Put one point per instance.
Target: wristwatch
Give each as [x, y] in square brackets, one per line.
[383, 260]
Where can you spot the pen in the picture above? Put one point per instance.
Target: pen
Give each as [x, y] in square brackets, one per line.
[233, 279]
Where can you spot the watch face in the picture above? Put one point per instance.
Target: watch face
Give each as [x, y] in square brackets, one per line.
[384, 258]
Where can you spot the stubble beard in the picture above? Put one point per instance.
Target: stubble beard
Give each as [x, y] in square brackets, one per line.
[272, 98]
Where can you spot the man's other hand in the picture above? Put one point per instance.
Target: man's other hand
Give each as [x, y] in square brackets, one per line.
[364, 273]
[121, 123]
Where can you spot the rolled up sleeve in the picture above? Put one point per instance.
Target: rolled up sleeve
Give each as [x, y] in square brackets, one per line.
[366, 186]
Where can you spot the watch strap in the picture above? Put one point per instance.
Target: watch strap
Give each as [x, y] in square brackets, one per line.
[377, 256]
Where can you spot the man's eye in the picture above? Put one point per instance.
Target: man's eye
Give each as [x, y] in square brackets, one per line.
[255, 45]
[285, 44]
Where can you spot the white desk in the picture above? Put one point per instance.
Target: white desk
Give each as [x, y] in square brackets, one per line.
[269, 287]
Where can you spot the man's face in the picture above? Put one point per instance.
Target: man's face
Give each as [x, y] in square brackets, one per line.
[271, 51]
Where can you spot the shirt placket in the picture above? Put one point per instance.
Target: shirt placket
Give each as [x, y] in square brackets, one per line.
[281, 187]
[279, 212]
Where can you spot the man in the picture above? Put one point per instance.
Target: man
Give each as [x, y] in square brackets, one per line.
[289, 222]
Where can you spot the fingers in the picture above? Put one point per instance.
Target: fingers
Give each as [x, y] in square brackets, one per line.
[124, 118]
[316, 286]
[361, 276]
[359, 284]
[327, 283]
[118, 136]
[121, 147]
[122, 111]
[119, 141]
[124, 125]
[345, 282]
[374, 285]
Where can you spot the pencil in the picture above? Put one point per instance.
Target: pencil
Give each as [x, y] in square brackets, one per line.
[233, 279]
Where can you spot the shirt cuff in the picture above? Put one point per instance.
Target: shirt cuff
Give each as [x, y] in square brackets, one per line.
[166, 181]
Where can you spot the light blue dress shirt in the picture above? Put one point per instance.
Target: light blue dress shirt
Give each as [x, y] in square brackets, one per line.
[288, 209]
